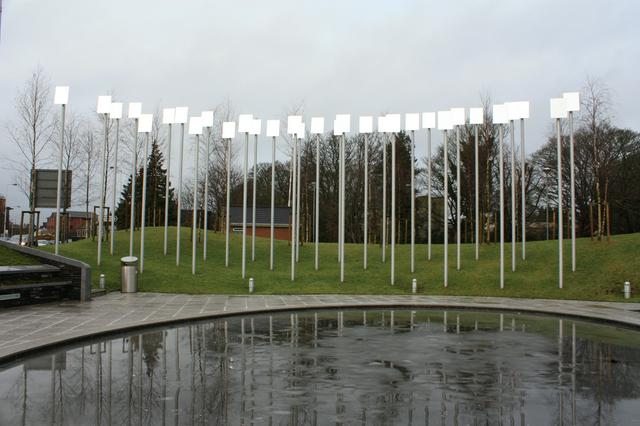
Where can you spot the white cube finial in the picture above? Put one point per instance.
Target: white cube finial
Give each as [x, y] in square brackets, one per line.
[61, 95]
[104, 104]
[228, 129]
[273, 128]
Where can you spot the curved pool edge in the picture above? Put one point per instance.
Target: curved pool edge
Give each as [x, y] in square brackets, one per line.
[33, 328]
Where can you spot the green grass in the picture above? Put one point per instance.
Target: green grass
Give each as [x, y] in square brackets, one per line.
[602, 268]
[10, 257]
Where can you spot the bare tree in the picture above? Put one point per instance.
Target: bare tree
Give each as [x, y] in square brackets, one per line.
[31, 132]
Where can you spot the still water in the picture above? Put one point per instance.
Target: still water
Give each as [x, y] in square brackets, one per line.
[332, 367]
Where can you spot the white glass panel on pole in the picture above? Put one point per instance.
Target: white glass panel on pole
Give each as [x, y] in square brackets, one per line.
[135, 110]
[412, 123]
[146, 125]
[168, 117]
[228, 133]
[245, 123]
[458, 119]
[512, 115]
[104, 107]
[256, 128]
[500, 118]
[273, 131]
[207, 123]
[572, 102]
[429, 123]
[61, 97]
[365, 128]
[445, 124]
[393, 125]
[476, 118]
[342, 125]
[181, 117]
[382, 128]
[195, 129]
[317, 129]
[115, 114]
[558, 111]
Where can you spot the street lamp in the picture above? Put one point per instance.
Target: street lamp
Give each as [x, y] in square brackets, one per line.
[412, 123]
[365, 128]
[104, 107]
[115, 114]
[135, 110]
[458, 119]
[146, 124]
[256, 128]
[61, 97]
[342, 125]
[428, 122]
[228, 133]
[245, 123]
[273, 131]
[500, 118]
[392, 123]
[445, 124]
[476, 117]
[207, 122]
[558, 111]
[317, 128]
[168, 117]
[572, 101]
[195, 129]
[181, 117]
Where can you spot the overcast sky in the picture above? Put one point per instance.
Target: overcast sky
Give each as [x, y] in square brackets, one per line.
[334, 56]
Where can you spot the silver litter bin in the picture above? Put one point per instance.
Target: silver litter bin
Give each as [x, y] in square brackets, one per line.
[129, 274]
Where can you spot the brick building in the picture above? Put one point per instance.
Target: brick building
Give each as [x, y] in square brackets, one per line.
[282, 219]
[74, 224]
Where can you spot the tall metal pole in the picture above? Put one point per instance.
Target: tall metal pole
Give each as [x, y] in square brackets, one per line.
[253, 221]
[103, 181]
[560, 227]
[513, 195]
[523, 192]
[477, 200]
[206, 197]
[458, 186]
[194, 232]
[573, 195]
[179, 221]
[342, 205]
[366, 199]
[317, 203]
[59, 187]
[384, 198]
[273, 199]
[501, 183]
[134, 172]
[445, 220]
[244, 203]
[143, 212]
[115, 185]
[393, 208]
[166, 194]
[413, 202]
[298, 182]
[294, 157]
[429, 194]
[227, 207]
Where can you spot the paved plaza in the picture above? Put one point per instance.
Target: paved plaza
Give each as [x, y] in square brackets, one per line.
[25, 328]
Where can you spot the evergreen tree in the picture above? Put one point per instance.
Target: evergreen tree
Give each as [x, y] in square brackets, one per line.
[156, 184]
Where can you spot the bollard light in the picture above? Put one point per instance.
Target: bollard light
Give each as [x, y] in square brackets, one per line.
[414, 286]
[627, 290]
[251, 285]
[102, 281]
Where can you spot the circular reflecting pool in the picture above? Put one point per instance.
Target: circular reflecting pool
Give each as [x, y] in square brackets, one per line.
[328, 367]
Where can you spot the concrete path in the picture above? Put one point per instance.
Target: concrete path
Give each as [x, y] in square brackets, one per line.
[27, 328]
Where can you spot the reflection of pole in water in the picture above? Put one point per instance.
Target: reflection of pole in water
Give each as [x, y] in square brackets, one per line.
[391, 321]
[243, 367]
[364, 318]
[513, 324]
[412, 318]
[573, 373]
[109, 370]
[140, 378]
[164, 378]
[98, 383]
[475, 326]
[53, 389]
[129, 376]
[561, 396]
[457, 324]
[315, 330]
[24, 395]
[176, 399]
[444, 322]
[501, 322]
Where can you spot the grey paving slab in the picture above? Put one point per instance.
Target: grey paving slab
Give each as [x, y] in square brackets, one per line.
[30, 328]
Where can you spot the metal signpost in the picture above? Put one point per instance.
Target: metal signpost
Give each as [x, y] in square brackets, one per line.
[412, 123]
[181, 117]
[115, 114]
[245, 122]
[500, 118]
[365, 128]
[195, 129]
[168, 117]
[104, 107]
[146, 125]
[135, 110]
[228, 133]
[558, 111]
[317, 129]
[572, 103]
[445, 124]
[61, 97]
[458, 119]
[273, 131]
[429, 123]
[476, 118]
[207, 122]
